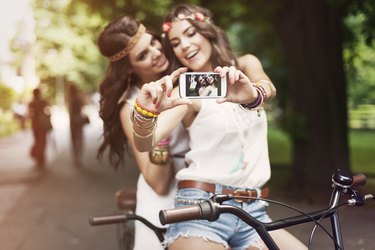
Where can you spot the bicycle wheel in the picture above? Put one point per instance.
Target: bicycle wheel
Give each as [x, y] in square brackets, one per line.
[125, 235]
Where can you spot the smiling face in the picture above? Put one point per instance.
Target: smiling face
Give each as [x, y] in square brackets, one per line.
[210, 79]
[147, 58]
[191, 48]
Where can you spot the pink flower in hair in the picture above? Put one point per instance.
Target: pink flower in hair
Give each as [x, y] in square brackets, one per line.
[167, 26]
[199, 16]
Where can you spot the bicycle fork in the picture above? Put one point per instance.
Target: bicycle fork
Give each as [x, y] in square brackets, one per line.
[335, 221]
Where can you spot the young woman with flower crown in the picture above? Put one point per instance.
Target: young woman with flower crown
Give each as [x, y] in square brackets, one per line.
[228, 137]
[136, 56]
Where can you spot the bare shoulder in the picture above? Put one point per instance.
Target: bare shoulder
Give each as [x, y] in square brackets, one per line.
[125, 114]
[248, 60]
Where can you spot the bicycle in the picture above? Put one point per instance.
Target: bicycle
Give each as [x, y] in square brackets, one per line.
[342, 183]
[126, 202]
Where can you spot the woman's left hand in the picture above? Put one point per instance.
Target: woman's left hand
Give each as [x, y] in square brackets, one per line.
[156, 96]
[239, 87]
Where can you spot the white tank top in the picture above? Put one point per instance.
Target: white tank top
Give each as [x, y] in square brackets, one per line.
[228, 146]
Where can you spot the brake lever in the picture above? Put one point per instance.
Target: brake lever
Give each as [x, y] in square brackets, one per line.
[220, 198]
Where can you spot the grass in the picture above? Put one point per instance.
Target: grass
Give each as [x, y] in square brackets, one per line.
[362, 157]
[361, 146]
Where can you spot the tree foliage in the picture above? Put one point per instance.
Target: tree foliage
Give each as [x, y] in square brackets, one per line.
[66, 43]
[316, 52]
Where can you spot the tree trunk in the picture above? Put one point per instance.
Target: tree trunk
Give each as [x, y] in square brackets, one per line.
[311, 35]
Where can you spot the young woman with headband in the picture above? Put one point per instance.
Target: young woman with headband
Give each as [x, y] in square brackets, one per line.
[235, 154]
[135, 57]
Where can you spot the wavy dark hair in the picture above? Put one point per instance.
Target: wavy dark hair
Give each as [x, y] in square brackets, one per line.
[114, 37]
[222, 54]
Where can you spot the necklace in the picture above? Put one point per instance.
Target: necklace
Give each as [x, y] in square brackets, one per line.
[242, 163]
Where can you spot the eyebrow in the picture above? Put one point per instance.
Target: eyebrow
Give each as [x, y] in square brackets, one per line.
[184, 32]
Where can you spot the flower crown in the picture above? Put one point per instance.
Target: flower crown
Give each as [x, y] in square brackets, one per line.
[197, 16]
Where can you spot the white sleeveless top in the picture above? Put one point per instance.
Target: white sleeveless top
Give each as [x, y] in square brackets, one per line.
[228, 146]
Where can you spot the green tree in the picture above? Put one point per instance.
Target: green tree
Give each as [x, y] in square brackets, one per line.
[66, 43]
[301, 44]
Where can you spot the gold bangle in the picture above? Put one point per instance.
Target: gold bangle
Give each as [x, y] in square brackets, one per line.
[143, 136]
[159, 156]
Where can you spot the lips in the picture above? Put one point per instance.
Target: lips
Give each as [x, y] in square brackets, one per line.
[162, 60]
[191, 55]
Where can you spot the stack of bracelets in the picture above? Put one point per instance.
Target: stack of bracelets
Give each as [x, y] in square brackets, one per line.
[261, 99]
[146, 120]
[143, 119]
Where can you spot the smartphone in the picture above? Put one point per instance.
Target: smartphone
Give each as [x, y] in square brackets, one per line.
[202, 85]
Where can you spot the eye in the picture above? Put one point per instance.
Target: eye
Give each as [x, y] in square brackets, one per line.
[175, 44]
[191, 33]
[154, 41]
[142, 56]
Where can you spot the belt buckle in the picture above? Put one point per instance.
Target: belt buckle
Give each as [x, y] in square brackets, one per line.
[242, 192]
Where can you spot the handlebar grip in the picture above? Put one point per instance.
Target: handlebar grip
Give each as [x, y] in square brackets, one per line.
[179, 214]
[108, 219]
[359, 180]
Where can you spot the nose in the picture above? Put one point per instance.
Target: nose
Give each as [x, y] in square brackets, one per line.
[184, 43]
[156, 52]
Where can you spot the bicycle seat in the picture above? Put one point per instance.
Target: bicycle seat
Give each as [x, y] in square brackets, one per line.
[126, 198]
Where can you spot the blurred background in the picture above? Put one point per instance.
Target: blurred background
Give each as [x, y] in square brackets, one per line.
[320, 55]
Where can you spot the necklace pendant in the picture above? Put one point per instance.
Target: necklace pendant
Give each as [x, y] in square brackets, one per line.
[244, 164]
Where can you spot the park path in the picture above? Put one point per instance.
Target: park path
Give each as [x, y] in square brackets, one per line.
[49, 209]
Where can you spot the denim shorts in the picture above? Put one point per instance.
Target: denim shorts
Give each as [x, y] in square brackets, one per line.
[228, 230]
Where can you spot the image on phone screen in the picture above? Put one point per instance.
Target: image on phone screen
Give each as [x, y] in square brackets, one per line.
[202, 85]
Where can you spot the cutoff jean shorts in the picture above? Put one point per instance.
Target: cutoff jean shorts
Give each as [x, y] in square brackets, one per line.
[228, 230]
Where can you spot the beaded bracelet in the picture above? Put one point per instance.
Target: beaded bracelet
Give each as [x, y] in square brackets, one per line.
[257, 85]
[258, 103]
[143, 111]
[270, 86]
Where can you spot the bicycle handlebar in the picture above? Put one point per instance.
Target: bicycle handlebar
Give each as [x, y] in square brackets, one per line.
[108, 219]
[201, 211]
[359, 180]
[180, 214]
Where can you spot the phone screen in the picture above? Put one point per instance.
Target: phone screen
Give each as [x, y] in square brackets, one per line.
[202, 85]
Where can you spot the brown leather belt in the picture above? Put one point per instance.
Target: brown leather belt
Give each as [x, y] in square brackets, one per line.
[240, 195]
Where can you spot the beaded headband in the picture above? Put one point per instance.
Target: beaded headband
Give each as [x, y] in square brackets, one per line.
[132, 42]
[197, 16]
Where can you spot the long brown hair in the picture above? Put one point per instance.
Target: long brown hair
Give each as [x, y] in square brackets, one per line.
[114, 38]
[222, 54]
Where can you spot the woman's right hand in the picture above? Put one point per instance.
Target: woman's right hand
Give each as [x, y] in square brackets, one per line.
[156, 96]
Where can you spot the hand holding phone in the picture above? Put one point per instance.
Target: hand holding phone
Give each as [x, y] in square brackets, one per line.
[198, 85]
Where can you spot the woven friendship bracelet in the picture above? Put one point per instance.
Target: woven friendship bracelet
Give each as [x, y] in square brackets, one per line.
[132, 42]
[270, 86]
[258, 103]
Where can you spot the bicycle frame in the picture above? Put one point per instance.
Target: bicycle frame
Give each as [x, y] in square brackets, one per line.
[211, 209]
[264, 228]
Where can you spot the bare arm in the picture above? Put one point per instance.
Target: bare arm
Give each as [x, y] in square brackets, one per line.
[253, 69]
[158, 97]
[157, 176]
